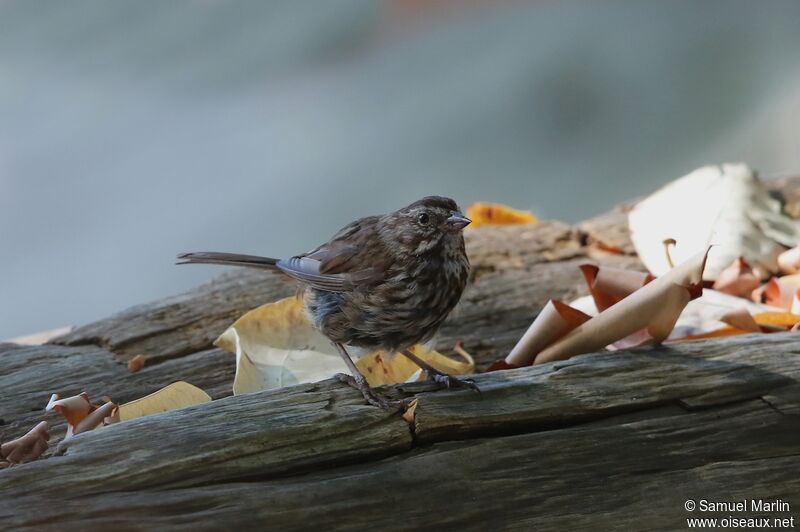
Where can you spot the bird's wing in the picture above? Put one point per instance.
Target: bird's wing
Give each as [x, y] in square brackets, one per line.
[348, 260]
[307, 271]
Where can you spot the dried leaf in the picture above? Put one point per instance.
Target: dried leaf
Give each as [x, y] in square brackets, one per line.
[719, 333]
[741, 319]
[639, 338]
[112, 418]
[176, 395]
[706, 313]
[554, 321]
[383, 368]
[654, 308]
[136, 363]
[95, 419]
[80, 413]
[25, 448]
[74, 408]
[611, 285]
[737, 279]
[724, 205]
[276, 345]
[781, 320]
[83, 416]
[795, 308]
[757, 295]
[701, 316]
[499, 365]
[780, 291]
[789, 260]
[767, 322]
[483, 214]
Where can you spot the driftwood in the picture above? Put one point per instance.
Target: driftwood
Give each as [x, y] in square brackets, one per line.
[609, 441]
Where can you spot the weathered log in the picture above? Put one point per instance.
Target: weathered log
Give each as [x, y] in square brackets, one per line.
[315, 456]
[29, 374]
[610, 441]
[700, 375]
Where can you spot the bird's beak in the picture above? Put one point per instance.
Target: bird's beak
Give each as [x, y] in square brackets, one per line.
[457, 222]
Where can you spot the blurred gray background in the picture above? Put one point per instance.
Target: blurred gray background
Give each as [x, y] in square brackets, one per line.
[130, 131]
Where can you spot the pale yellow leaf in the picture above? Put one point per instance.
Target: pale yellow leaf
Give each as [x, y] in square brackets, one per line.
[276, 346]
[176, 395]
[385, 368]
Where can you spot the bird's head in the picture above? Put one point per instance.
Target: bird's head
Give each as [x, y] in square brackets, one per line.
[425, 224]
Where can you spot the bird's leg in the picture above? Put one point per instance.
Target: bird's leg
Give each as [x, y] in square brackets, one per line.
[439, 376]
[359, 382]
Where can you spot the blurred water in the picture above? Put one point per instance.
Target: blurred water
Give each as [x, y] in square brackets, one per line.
[130, 131]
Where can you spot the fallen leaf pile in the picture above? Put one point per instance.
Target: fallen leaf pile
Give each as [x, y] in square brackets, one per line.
[82, 415]
[634, 310]
[730, 238]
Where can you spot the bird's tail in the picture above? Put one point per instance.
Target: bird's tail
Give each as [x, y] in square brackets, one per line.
[227, 259]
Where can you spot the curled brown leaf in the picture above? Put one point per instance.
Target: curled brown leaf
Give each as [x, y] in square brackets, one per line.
[80, 413]
[611, 285]
[647, 316]
[554, 321]
[26, 448]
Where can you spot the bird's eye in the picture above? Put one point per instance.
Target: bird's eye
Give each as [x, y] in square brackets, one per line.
[423, 218]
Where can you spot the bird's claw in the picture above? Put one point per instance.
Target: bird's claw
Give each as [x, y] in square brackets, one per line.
[371, 396]
[451, 382]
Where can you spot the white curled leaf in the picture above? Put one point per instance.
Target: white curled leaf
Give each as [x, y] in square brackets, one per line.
[722, 205]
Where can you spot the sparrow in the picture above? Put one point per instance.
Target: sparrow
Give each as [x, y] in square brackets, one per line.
[383, 282]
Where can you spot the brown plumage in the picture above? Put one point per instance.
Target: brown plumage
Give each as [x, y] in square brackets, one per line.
[382, 282]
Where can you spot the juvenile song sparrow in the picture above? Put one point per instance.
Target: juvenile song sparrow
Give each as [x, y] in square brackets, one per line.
[381, 283]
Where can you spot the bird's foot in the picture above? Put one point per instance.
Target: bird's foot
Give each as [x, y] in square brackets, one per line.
[372, 397]
[440, 377]
[451, 382]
